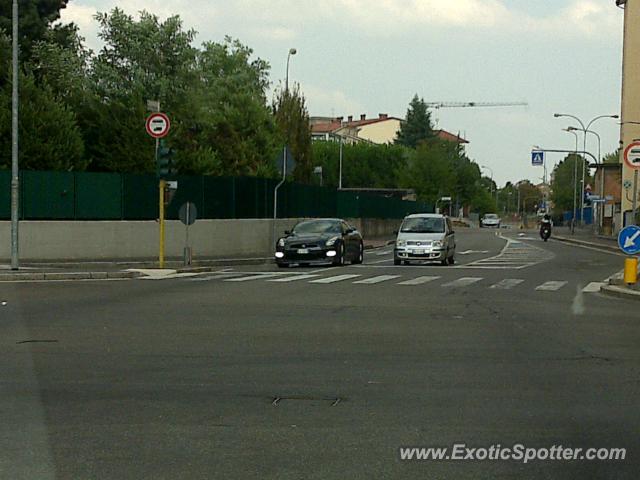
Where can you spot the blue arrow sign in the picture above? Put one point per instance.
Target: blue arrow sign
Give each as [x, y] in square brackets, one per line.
[629, 240]
[537, 158]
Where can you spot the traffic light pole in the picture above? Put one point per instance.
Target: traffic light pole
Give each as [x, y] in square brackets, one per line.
[161, 187]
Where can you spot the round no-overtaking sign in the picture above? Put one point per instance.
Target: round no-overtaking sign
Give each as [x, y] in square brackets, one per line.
[632, 155]
[158, 125]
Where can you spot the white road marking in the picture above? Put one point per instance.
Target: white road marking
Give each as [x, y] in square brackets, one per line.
[551, 286]
[462, 282]
[418, 280]
[337, 278]
[251, 277]
[507, 283]
[378, 279]
[294, 278]
[593, 287]
[469, 252]
[386, 252]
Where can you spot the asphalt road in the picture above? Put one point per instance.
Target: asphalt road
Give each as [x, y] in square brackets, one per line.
[323, 373]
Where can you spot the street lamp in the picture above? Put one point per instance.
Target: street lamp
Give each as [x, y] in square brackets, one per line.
[491, 170]
[584, 130]
[575, 180]
[292, 51]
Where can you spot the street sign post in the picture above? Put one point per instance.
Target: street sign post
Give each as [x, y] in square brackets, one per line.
[631, 158]
[158, 126]
[188, 214]
[537, 158]
[629, 240]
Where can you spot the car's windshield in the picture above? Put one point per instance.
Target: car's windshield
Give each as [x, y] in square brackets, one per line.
[317, 226]
[491, 215]
[423, 225]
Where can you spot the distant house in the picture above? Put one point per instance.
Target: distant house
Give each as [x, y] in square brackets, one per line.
[381, 130]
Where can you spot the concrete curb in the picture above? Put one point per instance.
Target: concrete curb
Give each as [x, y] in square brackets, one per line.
[575, 241]
[620, 292]
[57, 276]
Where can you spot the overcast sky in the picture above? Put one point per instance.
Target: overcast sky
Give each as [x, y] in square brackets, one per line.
[372, 56]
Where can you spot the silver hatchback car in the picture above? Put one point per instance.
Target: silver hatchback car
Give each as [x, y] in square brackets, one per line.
[425, 236]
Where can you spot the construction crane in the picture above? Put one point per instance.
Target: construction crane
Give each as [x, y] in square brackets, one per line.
[438, 105]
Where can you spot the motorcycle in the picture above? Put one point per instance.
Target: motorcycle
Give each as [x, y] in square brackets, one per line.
[545, 231]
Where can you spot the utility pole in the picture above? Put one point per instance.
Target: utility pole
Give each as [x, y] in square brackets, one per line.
[15, 180]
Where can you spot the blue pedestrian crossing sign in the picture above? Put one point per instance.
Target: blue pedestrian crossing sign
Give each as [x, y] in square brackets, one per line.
[629, 240]
[537, 158]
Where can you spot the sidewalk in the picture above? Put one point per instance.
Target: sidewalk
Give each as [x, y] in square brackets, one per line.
[587, 238]
[119, 269]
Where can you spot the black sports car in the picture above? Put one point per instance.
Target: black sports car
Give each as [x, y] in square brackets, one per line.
[323, 241]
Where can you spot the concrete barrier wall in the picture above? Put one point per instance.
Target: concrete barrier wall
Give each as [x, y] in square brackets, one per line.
[110, 240]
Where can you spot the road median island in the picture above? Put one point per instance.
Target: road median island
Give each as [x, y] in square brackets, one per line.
[621, 291]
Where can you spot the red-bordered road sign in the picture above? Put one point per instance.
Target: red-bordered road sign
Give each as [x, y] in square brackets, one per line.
[632, 155]
[158, 125]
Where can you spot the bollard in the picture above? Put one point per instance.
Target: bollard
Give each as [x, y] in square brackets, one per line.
[630, 271]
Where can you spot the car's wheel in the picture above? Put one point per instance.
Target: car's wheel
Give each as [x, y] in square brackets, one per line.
[396, 261]
[360, 257]
[339, 258]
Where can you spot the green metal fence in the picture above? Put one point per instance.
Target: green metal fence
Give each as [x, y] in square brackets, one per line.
[114, 196]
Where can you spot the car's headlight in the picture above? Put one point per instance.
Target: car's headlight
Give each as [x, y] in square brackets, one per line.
[437, 243]
[281, 242]
[401, 243]
[332, 241]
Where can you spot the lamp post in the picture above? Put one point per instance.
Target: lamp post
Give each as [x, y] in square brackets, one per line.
[575, 180]
[15, 261]
[599, 162]
[491, 170]
[585, 129]
[292, 51]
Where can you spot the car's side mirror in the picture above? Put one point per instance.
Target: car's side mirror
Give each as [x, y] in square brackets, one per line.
[350, 230]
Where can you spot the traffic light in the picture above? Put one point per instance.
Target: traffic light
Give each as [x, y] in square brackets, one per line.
[165, 163]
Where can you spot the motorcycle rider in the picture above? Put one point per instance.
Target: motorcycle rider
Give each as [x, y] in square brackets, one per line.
[545, 224]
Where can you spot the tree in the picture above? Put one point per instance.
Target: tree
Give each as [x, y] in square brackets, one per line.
[364, 165]
[530, 196]
[562, 186]
[430, 173]
[49, 136]
[214, 95]
[613, 157]
[292, 119]
[418, 127]
[35, 17]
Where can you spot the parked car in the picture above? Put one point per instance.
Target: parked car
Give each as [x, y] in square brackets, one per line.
[322, 241]
[425, 236]
[490, 220]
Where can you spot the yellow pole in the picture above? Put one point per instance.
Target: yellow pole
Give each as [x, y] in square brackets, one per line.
[630, 270]
[161, 218]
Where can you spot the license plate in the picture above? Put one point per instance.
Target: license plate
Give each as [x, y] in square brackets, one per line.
[303, 250]
[418, 252]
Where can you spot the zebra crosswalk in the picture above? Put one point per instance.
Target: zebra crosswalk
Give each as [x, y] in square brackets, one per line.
[430, 281]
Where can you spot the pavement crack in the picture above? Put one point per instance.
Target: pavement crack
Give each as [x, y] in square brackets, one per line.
[37, 341]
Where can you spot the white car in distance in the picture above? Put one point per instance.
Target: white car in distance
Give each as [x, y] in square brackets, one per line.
[490, 220]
